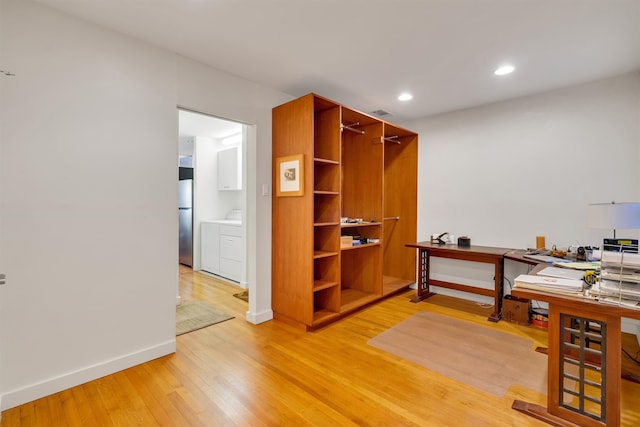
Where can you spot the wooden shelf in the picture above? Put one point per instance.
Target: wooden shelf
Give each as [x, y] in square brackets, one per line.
[323, 316]
[352, 299]
[392, 285]
[323, 254]
[324, 224]
[359, 224]
[360, 246]
[319, 285]
[323, 192]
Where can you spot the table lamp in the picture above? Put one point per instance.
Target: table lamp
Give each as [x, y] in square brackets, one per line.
[614, 216]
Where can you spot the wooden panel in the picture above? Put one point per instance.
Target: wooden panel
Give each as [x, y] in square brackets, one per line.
[326, 176]
[326, 208]
[292, 235]
[361, 269]
[362, 173]
[327, 133]
[400, 202]
[326, 302]
[326, 238]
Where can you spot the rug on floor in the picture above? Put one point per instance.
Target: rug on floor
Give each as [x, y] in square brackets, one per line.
[486, 359]
[197, 315]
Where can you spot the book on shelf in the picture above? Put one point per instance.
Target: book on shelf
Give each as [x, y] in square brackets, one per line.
[549, 284]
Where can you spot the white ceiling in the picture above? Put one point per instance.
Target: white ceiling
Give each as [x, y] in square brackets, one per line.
[363, 53]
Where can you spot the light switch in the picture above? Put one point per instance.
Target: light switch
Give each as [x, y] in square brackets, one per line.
[265, 189]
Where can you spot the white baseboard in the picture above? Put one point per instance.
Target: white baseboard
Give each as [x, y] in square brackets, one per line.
[265, 316]
[44, 388]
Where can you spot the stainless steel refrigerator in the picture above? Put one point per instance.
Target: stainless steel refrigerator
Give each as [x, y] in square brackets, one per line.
[185, 221]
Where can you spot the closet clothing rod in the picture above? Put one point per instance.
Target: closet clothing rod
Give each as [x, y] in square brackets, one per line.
[392, 218]
[351, 128]
[393, 139]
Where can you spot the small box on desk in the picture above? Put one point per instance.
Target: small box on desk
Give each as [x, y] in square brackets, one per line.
[516, 310]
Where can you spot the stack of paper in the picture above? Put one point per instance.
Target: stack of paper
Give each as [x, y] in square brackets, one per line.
[563, 273]
[620, 275]
[626, 259]
[580, 265]
[549, 284]
[629, 303]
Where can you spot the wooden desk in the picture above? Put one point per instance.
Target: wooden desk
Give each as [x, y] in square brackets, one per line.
[517, 255]
[572, 323]
[484, 254]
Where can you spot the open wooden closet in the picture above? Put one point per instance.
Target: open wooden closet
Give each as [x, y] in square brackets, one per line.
[339, 231]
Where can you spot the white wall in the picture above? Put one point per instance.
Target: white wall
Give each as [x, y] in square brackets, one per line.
[509, 171]
[202, 89]
[506, 172]
[88, 194]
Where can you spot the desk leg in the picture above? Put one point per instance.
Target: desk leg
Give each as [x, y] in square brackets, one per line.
[498, 277]
[595, 398]
[423, 276]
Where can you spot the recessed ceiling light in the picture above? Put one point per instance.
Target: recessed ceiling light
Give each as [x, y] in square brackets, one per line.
[405, 97]
[504, 70]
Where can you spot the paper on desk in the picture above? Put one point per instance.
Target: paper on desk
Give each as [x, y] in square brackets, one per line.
[563, 273]
[625, 258]
[543, 282]
[578, 265]
[546, 289]
[619, 301]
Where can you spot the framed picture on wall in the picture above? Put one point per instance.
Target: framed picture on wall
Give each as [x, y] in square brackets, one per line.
[290, 175]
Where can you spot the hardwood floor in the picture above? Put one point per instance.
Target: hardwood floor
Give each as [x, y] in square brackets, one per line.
[238, 374]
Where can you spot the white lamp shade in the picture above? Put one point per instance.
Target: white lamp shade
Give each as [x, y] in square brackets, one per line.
[614, 215]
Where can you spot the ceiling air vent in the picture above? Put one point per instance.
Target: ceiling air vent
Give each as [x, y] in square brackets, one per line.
[381, 113]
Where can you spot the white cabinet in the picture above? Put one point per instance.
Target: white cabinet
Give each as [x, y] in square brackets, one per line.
[230, 169]
[231, 249]
[209, 247]
[222, 249]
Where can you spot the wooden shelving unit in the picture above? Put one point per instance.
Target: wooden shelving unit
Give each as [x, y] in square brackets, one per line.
[355, 166]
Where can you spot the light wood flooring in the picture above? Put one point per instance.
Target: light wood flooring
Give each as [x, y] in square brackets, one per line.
[238, 374]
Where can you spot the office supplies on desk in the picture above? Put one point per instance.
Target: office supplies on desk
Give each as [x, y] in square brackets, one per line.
[620, 245]
[464, 241]
[440, 239]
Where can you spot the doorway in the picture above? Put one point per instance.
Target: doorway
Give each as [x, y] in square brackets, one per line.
[212, 155]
